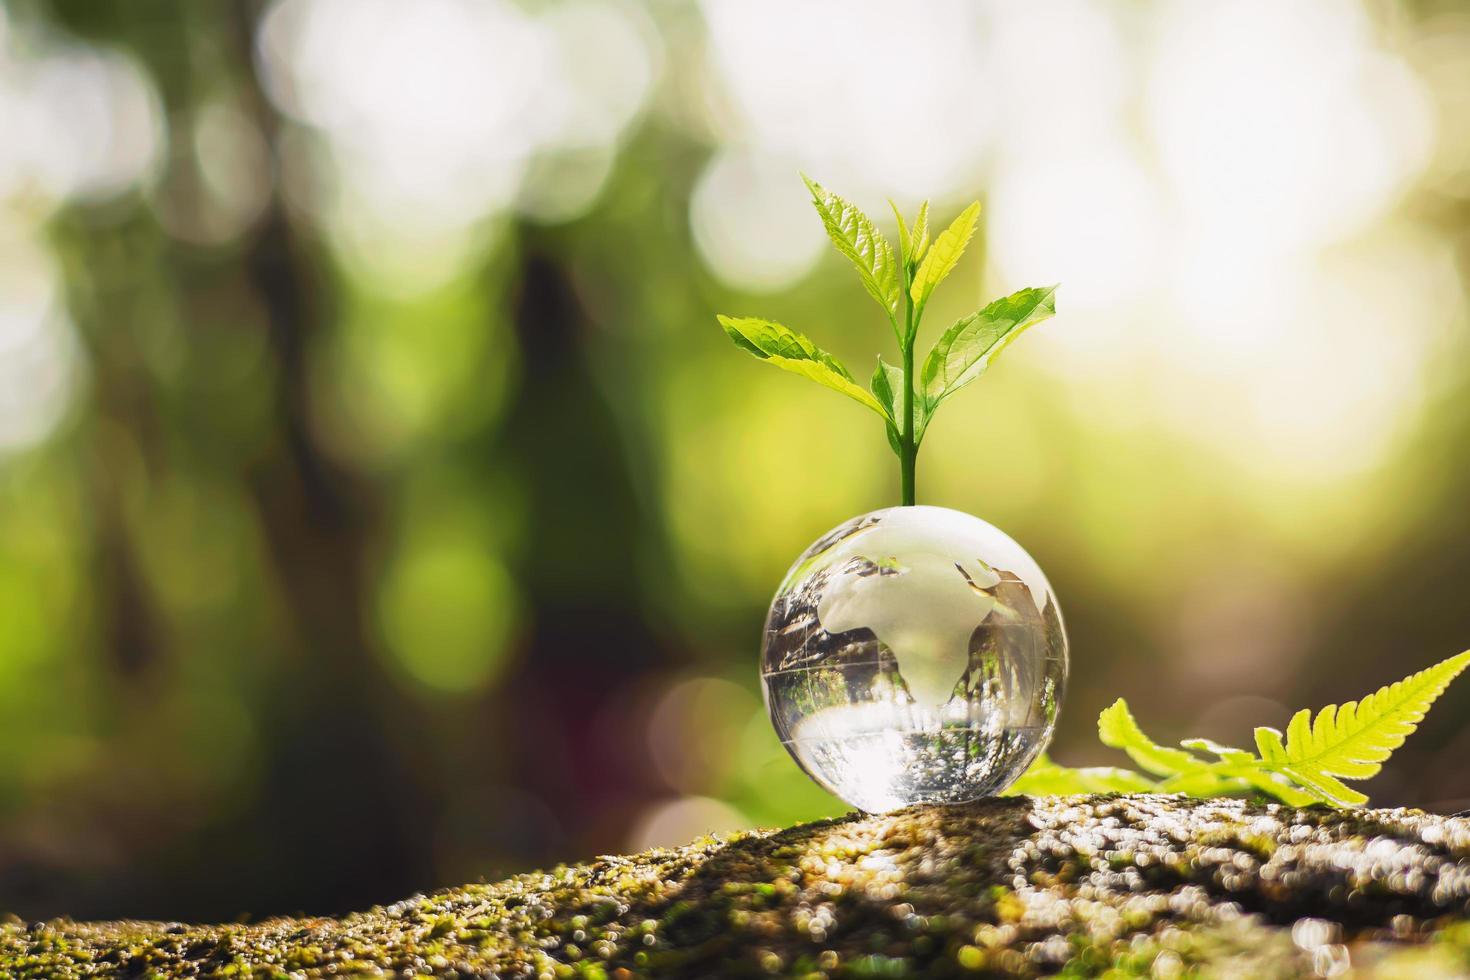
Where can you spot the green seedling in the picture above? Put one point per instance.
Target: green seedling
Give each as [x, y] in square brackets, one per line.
[901, 283]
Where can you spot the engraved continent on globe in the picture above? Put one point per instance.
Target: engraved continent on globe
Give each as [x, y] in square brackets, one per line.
[914, 655]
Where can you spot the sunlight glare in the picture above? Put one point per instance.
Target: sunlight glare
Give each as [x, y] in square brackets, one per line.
[79, 121]
[432, 114]
[1280, 123]
[1218, 264]
[805, 92]
[39, 355]
[752, 221]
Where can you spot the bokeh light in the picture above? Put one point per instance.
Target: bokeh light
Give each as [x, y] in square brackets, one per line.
[750, 222]
[447, 613]
[366, 438]
[432, 116]
[79, 121]
[806, 92]
[39, 359]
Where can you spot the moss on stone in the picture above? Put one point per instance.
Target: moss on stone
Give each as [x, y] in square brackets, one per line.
[1119, 886]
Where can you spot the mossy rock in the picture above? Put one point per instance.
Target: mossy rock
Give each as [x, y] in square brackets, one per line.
[1117, 885]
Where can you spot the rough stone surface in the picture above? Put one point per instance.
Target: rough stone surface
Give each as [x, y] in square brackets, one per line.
[1135, 885]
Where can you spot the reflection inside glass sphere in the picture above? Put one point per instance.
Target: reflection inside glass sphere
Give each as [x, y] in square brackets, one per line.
[914, 655]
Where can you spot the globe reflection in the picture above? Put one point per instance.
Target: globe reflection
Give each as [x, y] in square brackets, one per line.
[914, 655]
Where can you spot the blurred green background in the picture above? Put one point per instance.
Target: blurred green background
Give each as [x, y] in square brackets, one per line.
[381, 507]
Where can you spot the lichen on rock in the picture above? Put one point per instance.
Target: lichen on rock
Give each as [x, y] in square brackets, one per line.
[1137, 885]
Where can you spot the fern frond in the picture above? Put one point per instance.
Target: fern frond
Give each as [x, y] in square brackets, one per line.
[1352, 741]
[1046, 778]
[1308, 765]
[1117, 729]
[1240, 764]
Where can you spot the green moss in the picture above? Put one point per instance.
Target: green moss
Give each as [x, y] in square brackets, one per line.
[1082, 886]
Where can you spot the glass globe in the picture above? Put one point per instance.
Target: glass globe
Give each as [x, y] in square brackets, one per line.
[914, 655]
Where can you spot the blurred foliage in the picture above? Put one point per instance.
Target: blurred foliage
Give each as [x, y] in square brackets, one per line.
[380, 507]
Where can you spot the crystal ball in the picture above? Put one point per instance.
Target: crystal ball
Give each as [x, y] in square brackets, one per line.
[914, 655]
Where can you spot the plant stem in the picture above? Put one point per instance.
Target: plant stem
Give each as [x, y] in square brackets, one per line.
[909, 454]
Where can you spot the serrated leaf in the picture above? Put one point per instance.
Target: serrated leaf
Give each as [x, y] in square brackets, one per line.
[790, 351]
[1241, 765]
[856, 237]
[1046, 778]
[1269, 745]
[1327, 788]
[1225, 752]
[903, 231]
[942, 256]
[912, 244]
[965, 350]
[1275, 785]
[1352, 741]
[1307, 765]
[1117, 729]
[920, 235]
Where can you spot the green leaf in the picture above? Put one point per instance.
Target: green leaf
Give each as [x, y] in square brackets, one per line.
[792, 352]
[965, 350]
[1046, 778]
[895, 441]
[1117, 729]
[919, 235]
[855, 237]
[911, 244]
[903, 231]
[942, 256]
[1204, 781]
[1240, 770]
[887, 385]
[1352, 741]
[1276, 785]
[1225, 752]
[885, 377]
[1305, 766]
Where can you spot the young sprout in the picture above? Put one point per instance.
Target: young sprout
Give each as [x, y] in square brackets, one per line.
[902, 285]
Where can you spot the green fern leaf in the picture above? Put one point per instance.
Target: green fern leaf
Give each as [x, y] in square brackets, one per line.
[1240, 764]
[1046, 778]
[1352, 741]
[1117, 729]
[1225, 752]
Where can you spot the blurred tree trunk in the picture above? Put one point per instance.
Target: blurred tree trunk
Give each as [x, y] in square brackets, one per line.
[332, 729]
[585, 534]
